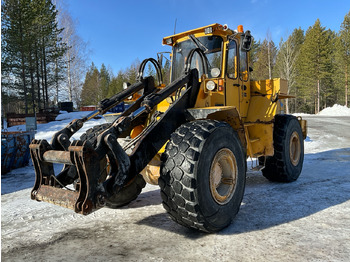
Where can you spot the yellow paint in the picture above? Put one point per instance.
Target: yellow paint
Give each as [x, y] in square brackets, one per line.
[136, 131]
[248, 106]
[151, 172]
[217, 30]
[163, 106]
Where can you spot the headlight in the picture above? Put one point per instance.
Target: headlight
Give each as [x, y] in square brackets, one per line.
[208, 30]
[211, 85]
[169, 41]
[215, 72]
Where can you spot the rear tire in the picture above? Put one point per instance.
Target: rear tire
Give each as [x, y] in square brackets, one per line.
[203, 175]
[130, 191]
[287, 162]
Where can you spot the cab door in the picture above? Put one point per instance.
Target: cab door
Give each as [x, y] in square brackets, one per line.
[232, 89]
[244, 92]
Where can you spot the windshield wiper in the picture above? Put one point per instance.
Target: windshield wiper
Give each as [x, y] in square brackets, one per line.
[199, 44]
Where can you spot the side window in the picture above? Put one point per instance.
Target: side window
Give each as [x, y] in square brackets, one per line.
[243, 65]
[232, 60]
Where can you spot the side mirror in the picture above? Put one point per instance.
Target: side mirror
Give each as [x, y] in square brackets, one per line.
[246, 41]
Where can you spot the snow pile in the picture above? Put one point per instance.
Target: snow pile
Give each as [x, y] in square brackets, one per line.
[46, 131]
[301, 114]
[70, 116]
[336, 110]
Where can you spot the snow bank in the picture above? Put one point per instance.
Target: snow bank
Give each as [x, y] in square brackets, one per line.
[46, 131]
[301, 114]
[74, 115]
[336, 110]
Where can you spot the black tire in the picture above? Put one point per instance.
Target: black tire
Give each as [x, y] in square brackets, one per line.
[129, 192]
[92, 133]
[186, 181]
[288, 143]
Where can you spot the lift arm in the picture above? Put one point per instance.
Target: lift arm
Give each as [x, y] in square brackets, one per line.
[84, 159]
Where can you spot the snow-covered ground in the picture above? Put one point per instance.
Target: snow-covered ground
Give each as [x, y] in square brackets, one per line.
[307, 220]
[46, 131]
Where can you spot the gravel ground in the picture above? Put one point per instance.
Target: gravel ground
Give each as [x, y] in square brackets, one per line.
[307, 220]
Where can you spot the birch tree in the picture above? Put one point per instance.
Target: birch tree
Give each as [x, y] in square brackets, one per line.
[286, 61]
[76, 57]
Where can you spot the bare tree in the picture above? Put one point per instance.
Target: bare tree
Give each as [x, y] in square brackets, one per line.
[286, 64]
[265, 59]
[76, 57]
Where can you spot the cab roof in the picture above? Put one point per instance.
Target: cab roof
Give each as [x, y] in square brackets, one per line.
[217, 29]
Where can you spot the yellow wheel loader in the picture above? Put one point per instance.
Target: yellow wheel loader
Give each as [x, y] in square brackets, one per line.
[192, 137]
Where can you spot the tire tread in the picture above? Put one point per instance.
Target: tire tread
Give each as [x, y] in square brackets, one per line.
[186, 141]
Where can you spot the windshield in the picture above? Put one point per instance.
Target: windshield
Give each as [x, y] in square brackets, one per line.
[213, 44]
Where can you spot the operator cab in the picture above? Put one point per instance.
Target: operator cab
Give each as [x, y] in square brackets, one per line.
[211, 40]
[221, 57]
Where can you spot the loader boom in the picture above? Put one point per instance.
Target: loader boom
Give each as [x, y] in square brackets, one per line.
[85, 158]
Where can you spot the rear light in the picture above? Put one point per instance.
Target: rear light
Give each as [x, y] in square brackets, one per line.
[240, 29]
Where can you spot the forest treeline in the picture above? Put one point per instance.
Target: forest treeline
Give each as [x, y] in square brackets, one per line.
[42, 58]
[101, 83]
[316, 64]
[43, 61]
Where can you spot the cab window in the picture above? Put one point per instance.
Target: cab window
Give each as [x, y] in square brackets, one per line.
[243, 65]
[231, 60]
[212, 46]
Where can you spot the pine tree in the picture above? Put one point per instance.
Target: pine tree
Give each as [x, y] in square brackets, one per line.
[329, 92]
[166, 72]
[131, 72]
[91, 94]
[150, 71]
[255, 47]
[104, 81]
[116, 84]
[15, 21]
[31, 50]
[343, 57]
[314, 63]
[265, 60]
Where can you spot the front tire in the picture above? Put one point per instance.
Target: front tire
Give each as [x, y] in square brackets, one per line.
[287, 162]
[203, 175]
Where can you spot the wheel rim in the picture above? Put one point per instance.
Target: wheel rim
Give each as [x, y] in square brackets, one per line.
[294, 148]
[223, 176]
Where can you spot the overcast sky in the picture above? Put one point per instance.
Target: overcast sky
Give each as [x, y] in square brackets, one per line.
[118, 32]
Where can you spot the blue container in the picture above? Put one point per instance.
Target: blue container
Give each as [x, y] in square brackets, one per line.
[15, 150]
[118, 108]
